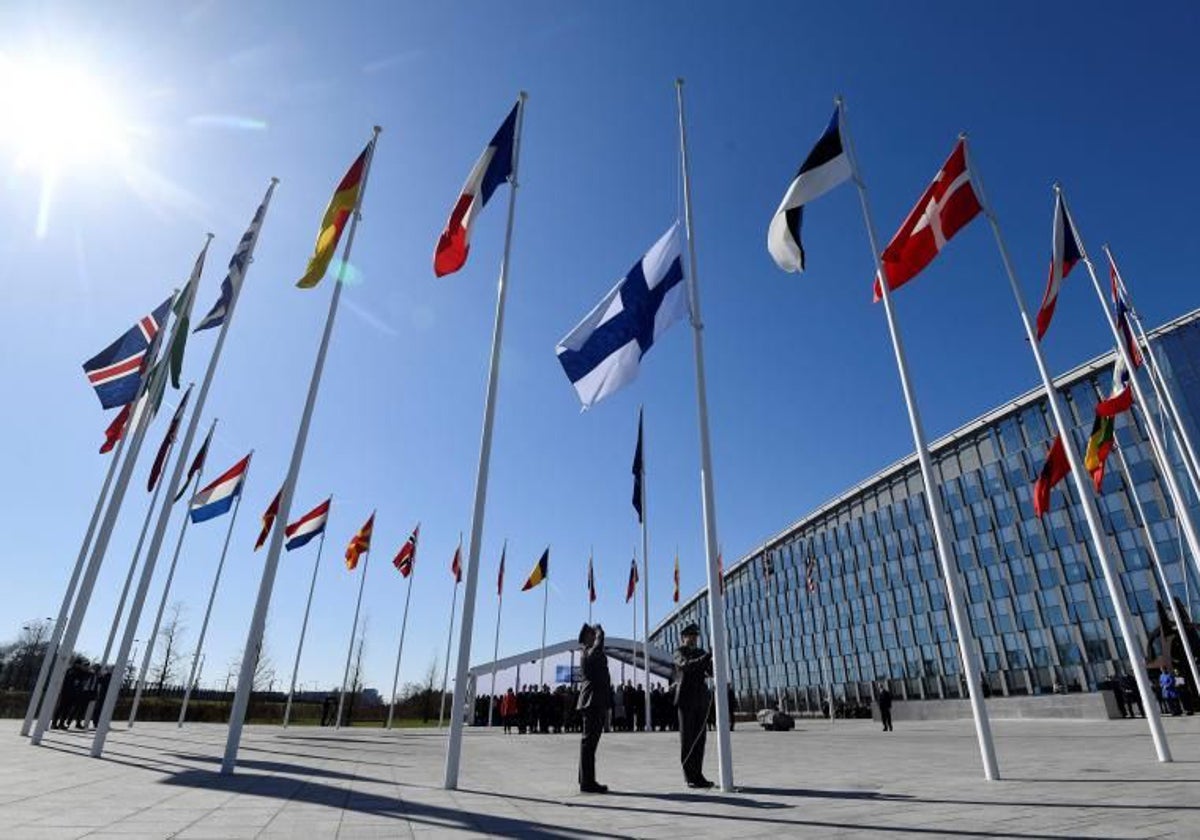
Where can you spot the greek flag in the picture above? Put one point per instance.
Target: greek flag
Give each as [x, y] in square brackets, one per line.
[604, 351]
[238, 264]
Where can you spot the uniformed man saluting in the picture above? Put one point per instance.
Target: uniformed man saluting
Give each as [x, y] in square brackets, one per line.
[692, 667]
[594, 691]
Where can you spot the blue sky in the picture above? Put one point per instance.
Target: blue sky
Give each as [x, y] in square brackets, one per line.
[803, 393]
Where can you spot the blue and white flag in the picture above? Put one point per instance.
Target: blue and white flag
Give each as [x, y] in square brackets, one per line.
[217, 498]
[604, 351]
[238, 264]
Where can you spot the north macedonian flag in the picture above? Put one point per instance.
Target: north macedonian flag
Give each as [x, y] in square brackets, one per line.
[360, 544]
[345, 199]
[540, 572]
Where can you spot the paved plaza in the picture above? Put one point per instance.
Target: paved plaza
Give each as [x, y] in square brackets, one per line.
[1062, 779]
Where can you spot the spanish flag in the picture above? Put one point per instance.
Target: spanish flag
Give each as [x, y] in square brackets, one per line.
[345, 199]
[540, 572]
[361, 543]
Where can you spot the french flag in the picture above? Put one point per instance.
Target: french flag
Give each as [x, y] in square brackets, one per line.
[311, 525]
[493, 168]
[217, 498]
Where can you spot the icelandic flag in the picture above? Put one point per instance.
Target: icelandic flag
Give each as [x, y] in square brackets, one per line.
[492, 169]
[605, 349]
[312, 524]
[238, 264]
[116, 371]
[826, 166]
[217, 498]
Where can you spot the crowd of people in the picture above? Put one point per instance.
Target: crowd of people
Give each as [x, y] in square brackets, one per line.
[83, 684]
[533, 710]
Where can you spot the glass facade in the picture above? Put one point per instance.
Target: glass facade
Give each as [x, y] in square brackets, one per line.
[1036, 598]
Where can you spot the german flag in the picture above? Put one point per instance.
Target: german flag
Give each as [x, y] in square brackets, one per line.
[361, 543]
[540, 572]
[345, 199]
[1099, 445]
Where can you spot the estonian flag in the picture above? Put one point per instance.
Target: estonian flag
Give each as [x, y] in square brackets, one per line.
[604, 350]
[540, 572]
[825, 167]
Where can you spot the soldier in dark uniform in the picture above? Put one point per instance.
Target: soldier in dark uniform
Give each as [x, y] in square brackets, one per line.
[692, 666]
[594, 691]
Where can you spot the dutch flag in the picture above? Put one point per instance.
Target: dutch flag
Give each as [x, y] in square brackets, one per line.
[311, 525]
[605, 350]
[217, 498]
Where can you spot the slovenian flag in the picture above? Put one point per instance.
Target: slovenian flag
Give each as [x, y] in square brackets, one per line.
[492, 169]
[312, 524]
[826, 166]
[217, 498]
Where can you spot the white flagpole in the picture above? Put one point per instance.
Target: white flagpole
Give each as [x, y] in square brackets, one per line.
[1182, 513]
[287, 709]
[496, 644]
[716, 599]
[212, 596]
[958, 610]
[1158, 566]
[362, 581]
[258, 623]
[645, 582]
[160, 529]
[56, 635]
[454, 744]
[137, 551]
[545, 610]
[591, 583]
[1161, 389]
[136, 428]
[773, 606]
[403, 630]
[1083, 487]
[449, 642]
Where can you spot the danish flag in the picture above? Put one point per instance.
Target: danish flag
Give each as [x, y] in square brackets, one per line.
[946, 207]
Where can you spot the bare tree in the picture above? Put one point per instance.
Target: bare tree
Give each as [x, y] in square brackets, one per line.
[430, 681]
[21, 659]
[170, 642]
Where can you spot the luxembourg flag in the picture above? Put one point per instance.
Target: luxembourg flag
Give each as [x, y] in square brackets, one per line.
[492, 169]
[312, 524]
[217, 498]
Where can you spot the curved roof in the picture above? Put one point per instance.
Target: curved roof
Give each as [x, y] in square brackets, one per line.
[623, 650]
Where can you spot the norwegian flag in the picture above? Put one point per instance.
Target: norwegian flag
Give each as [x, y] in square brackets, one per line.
[1121, 307]
[946, 207]
[116, 371]
[406, 557]
[456, 565]
[631, 587]
[1065, 252]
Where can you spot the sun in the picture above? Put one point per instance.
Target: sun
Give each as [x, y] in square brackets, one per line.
[58, 117]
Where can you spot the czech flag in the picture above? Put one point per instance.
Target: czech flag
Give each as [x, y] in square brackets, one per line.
[540, 572]
[312, 524]
[217, 498]
[492, 169]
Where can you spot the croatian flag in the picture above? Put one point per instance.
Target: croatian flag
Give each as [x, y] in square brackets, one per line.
[605, 350]
[217, 498]
[492, 169]
[116, 371]
[312, 524]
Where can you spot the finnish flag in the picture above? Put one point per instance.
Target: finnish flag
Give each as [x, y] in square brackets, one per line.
[603, 352]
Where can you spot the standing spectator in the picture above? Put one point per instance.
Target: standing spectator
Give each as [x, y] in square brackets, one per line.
[1170, 698]
[885, 708]
[508, 710]
[594, 693]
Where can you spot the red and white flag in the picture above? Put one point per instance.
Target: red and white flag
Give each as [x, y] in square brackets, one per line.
[456, 565]
[492, 169]
[116, 429]
[946, 207]
[407, 555]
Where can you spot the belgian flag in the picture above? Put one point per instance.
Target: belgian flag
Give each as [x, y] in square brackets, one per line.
[540, 572]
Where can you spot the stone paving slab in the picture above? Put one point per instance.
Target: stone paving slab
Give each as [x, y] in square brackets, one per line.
[1061, 779]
